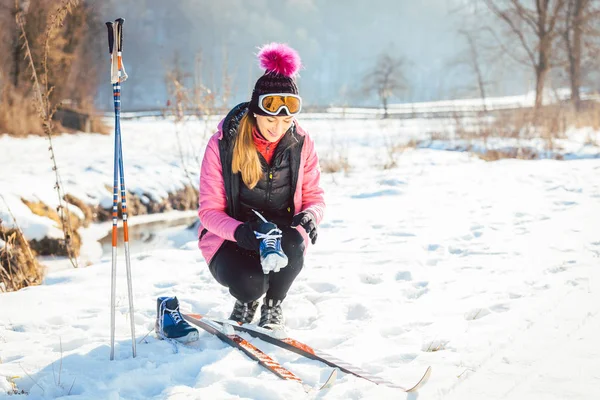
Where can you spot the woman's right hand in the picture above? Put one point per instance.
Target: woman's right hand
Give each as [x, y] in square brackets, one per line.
[246, 238]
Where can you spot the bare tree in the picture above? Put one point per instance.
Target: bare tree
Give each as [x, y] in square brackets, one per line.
[473, 60]
[386, 79]
[580, 28]
[536, 29]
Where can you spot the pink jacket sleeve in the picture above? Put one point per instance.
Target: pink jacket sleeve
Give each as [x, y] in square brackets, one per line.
[212, 199]
[312, 193]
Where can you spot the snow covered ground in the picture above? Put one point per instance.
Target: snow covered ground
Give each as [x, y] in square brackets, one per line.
[488, 272]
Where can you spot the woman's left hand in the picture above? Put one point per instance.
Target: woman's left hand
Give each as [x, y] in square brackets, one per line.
[307, 221]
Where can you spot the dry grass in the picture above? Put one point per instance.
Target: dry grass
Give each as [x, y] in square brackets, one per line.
[185, 199]
[516, 153]
[43, 210]
[332, 163]
[46, 109]
[588, 116]
[549, 123]
[88, 212]
[97, 125]
[54, 246]
[18, 117]
[19, 266]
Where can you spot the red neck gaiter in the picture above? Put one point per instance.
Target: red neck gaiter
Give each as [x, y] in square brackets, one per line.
[264, 147]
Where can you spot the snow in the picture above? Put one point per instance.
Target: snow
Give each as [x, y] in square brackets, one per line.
[486, 271]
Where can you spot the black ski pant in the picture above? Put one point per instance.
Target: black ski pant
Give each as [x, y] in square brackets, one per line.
[240, 269]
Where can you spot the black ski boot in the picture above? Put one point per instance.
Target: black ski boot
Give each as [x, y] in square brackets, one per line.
[243, 312]
[271, 316]
[170, 323]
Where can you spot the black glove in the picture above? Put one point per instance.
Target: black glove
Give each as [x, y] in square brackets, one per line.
[307, 221]
[246, 238]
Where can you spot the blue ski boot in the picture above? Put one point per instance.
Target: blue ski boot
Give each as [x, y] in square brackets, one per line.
[170, 323]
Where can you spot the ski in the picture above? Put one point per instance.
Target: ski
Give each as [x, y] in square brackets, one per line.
[252, 351]
[314, 354]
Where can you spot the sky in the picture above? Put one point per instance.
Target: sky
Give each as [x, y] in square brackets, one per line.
[339, 43]
[485, 271]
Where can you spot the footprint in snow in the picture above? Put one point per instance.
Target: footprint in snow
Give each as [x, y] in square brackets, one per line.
[380, 193]
[403, 276]
[371, 279]
[467, 237]
[392, 182]
[401, 234]
[556, 269]
[358, 312]
[433, 247]
[415, 291]
[565, 203]
[391, 331]
[577, 281]
[476, 227]
[499, 308]
[477, 234]
[455, 250]
[323, 287]
[165, 285]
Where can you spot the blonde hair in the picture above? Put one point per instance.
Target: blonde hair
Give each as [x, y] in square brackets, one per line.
[245, 157]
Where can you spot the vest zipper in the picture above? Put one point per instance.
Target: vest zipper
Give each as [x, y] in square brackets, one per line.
[269, 184]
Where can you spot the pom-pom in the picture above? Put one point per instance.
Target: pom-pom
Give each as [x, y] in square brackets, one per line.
[279, 58]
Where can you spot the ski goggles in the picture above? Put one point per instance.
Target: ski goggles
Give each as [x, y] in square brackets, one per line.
[274, 103]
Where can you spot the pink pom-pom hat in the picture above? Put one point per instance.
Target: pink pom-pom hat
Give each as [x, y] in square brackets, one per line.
[279, 58]
[281, 64]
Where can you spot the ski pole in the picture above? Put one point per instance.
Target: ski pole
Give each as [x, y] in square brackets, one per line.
[118, 75]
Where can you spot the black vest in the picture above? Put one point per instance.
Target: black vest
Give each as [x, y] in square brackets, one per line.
[272, 196]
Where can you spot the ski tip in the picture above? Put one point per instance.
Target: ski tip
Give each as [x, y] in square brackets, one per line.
[422, 381]
[328, 383]
[331, 380]
[119, 20]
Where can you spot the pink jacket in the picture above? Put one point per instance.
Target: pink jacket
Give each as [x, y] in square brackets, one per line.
[212, 201]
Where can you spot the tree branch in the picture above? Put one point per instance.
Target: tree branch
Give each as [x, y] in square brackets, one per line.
[504, 16]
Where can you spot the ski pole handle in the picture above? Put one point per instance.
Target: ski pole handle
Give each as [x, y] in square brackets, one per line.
[119, 22]
[111, 37]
